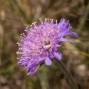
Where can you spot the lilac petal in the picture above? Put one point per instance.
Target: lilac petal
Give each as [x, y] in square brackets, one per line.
[51, 56]
[63, 33]
[48, 61]
[62, 21]
[66, 40]
[32, 63]
[32, 70]
[58, 56]
[32, 67]
[67, 25]
[23, 62]
[65, 29]
[72, 34]
[40, 59]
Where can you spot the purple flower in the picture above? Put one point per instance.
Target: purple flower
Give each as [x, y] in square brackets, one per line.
[42, 42]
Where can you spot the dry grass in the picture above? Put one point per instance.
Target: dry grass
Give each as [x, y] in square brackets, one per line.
[15, 15]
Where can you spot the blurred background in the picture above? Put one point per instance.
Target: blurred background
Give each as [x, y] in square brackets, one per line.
[15, 15]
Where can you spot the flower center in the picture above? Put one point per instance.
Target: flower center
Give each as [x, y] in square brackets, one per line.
[47, 45]
[47, 42]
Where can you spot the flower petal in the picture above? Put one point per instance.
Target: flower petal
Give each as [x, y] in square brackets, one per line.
[48, 61]
[23, 62]
[62, 21]
[32, 70]
[40, 59]
[72, 34]
[58, 55]
[66, 40]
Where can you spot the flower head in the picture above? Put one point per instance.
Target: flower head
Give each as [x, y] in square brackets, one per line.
[42, 42]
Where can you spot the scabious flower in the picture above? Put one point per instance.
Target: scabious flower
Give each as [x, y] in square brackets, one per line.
[41, 43]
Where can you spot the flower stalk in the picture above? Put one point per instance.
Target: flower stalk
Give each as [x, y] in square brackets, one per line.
[66, 72]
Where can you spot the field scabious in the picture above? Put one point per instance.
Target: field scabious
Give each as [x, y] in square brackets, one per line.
[42, 42]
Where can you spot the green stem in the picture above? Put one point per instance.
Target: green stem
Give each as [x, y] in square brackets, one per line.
[71, 80]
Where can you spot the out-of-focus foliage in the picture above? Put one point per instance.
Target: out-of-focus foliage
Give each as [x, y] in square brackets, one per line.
[15, 15]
